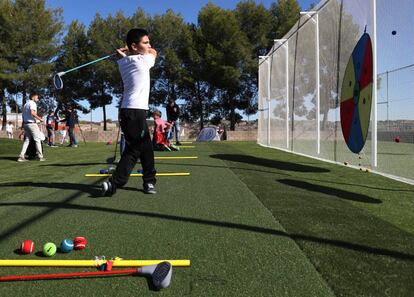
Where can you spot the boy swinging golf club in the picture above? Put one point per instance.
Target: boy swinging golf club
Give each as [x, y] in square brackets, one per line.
[134, 65]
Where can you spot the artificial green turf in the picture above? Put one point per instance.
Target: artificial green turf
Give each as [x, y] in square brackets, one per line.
[210, 217]
[393, 158]
[356, 228]
[253, 221]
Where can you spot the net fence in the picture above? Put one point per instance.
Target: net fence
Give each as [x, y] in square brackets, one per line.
[300, 83]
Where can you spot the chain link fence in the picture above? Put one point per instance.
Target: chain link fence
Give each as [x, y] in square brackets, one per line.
[300, 82]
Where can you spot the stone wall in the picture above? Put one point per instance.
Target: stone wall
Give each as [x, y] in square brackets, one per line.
[189, 132]
[242, 135]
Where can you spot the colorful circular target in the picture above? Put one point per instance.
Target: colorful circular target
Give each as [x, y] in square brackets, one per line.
[356, 95]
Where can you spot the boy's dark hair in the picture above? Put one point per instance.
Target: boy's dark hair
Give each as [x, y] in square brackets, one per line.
[134, 36]
[34, 94]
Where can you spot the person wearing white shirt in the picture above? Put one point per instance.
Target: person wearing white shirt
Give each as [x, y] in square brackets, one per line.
[134, 64]
[9, 130]
[31, 129]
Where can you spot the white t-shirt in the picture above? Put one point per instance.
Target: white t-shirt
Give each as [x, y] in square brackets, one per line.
[27, 111]
[9, 128]
[136, 78]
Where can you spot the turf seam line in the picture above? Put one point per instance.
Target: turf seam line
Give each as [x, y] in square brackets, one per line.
[292, 238]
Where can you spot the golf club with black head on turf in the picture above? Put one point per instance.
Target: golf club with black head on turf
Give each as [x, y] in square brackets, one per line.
[160, 274]
[57, 78]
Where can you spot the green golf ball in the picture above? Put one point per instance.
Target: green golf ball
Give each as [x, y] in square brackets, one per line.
[49, 249]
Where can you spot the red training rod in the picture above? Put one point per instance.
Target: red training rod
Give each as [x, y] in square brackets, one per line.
[66, 275]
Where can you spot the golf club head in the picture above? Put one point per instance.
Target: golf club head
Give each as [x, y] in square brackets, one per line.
[160, 274]
[111, 160]
[57, 81]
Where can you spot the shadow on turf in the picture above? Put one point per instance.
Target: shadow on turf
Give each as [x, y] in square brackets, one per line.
[9, 158]
[281, 165]
[93, 190]
[329, 191]
[306, 178]
[360, 185]
[75, 164]
[51, 206]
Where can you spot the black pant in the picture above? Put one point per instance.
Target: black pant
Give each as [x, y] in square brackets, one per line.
[72, 137]
[137, 145]
[50, 135]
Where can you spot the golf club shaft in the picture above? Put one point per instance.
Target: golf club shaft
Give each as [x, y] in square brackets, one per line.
[86, 64]
[66, 275]
[116, 143]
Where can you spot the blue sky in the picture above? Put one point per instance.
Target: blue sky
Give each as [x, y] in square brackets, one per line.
[85, 10]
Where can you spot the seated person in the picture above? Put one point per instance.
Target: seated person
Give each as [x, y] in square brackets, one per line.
[159, 139]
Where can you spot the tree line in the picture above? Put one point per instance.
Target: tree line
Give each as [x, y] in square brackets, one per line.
[211, 66]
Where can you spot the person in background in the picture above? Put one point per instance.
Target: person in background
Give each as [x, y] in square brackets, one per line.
[62, 133]
[173, 113]
[161, 130]
[31, 129]
[9, 130]
[50, 127]
[71, 121]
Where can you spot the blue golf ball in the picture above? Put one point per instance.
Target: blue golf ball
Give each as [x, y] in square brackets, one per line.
[103, 171]
[139, 171]
[66, 245]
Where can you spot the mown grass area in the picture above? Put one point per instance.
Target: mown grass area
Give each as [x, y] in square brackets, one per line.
[253, 221]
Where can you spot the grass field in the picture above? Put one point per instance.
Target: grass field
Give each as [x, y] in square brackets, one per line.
[253, 221]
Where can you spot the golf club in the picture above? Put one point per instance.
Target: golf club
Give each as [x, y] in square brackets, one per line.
[112, 160]
[160, 274]
[66, 275]
[57, 78]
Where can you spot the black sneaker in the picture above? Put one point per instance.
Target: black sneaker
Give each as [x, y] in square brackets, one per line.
[178, 143]
[108, 188]
[149, 188]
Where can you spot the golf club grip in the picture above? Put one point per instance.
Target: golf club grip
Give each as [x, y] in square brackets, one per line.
[66, 275]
